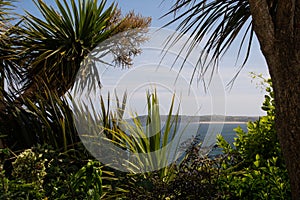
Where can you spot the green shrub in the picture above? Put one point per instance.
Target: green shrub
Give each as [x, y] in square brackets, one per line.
[194, 178]
[41, 172]
[27, 177]
[87, 182]
[254, 167]
[29, 167]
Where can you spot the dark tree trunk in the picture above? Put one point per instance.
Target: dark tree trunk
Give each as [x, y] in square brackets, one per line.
[279, 38]
[287, 121]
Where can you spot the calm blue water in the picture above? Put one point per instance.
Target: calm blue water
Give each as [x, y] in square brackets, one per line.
[227, 132]
[200, 131]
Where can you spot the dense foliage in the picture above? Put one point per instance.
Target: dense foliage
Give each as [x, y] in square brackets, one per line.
[43, 158]
[41, 56]
[251, 168]
[254, 168]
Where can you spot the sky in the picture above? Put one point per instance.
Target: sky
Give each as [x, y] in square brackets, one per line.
[244, 98]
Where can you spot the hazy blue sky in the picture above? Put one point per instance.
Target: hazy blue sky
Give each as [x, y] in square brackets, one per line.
[243, 99]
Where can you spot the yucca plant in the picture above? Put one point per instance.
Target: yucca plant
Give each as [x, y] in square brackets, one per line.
[87, 181]
[151, 143]
[142, 146]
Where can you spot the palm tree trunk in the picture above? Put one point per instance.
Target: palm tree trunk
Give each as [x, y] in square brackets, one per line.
[285, 73]
[284, 67]
[279, 38]
[287, 100]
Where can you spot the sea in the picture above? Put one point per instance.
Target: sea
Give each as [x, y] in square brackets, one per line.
[202, 134]
[198, 133]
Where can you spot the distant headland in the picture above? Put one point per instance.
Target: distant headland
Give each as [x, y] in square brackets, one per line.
[207, 119]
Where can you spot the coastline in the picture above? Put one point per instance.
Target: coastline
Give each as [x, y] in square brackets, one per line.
[219, 122]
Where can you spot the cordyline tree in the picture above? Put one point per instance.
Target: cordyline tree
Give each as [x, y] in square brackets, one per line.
[276, 24]
[49, 49]
[54, 47]
[42, 54]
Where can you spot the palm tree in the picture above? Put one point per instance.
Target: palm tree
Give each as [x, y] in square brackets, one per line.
[276, 25]
[44, 54]
[54, 47]
[9, 70]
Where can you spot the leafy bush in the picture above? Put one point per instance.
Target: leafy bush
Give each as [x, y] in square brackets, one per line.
[41, 172]
[255, 182]
[29, 167]
[194, 178]
[28, 173]
[254, 167]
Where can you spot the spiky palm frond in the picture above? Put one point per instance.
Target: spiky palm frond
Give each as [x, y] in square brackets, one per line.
[218, 22]
[55, 45]
[147, 138]
[6, 7]
[9, 70]
[46, 121]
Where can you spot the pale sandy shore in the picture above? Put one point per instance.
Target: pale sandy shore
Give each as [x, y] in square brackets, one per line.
[212, 122]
